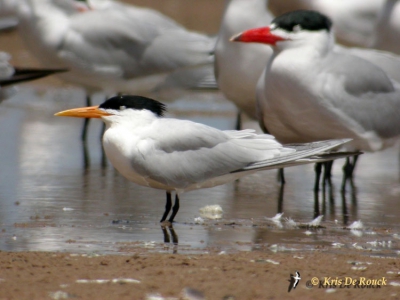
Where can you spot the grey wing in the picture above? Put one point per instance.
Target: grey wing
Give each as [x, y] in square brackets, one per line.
[298, 156]
[361, 95]
[388, 62]
[129, 44]
[190, 153]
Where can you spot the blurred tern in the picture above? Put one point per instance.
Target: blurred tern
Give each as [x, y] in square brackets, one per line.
[238, 67]
[179, 155]
[10, 75]
[8, 18]
[387, 30]
[311, 91]
[119, 49]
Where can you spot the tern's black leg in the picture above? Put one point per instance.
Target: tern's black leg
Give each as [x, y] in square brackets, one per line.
[328, 172]
[86, 121]
[238, 121]
[348, 170]
[316, 204]
[318, 169]
[281, 176]
[175, 209]
[280, 199]
[168, 205]
[355, 159]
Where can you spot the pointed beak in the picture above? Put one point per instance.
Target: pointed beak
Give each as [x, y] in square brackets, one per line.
[83, 112]
[261, 35]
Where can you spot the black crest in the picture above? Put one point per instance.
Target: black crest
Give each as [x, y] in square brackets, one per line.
[135, 102]
[306, 19]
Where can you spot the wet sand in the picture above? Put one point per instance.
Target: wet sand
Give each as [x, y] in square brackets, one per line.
[215, 275]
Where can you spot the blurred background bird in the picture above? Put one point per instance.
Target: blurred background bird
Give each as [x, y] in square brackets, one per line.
[115, 47]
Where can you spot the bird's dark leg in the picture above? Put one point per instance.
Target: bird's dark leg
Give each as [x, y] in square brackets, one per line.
[238, 125]
[328, 172]
[348, 170]
[86, 121]
[280, 199]
[281, 176]
[355, 159]
[86, 157]
[318, 169]
[316, 204]
[175, 209]
[103, 153]
[168, 205]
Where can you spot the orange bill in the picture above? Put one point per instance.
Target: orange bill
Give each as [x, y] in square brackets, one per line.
[83, 112]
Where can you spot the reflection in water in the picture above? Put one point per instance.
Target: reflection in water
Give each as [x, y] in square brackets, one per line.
[49, 202]
[167, 239]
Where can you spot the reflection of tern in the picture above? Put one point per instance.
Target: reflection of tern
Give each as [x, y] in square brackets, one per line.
[311, 91]
[10, 75]
[120, 49]
[294, 281]
[179, 155]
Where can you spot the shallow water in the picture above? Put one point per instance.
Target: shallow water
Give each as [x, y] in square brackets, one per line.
[53, 199]
[51, 202]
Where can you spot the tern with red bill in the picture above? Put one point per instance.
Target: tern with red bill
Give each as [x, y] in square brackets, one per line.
[179, 155]
[312, 91]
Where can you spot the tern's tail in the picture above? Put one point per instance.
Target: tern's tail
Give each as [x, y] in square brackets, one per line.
[305, 154]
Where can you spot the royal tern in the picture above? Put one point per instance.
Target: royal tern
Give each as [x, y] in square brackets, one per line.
[238, 67]
[120, 49]
[10, 75]
[179, 155]
[311, 91]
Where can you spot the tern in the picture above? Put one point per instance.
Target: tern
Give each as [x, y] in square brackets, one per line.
[238, 67]
[118, 49]
[179, 155]
[294, 281]
[10, 75]
[310, 91]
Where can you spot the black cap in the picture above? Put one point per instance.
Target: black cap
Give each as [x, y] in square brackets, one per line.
[306, 19]
[134, 102]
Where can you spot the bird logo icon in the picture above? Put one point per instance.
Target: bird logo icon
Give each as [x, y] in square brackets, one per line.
[294, 281]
